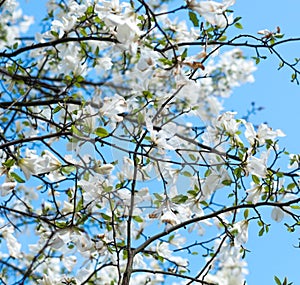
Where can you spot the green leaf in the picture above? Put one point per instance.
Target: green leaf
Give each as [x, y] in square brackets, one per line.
[105, 217]
[171, 238]
[79, 205]
[237, 19]
[179, 199]
[291, 186]
[158, 197]
[227, 182]
[184, 54]
[101, 132]
[223, 38]
[192, 157]
[255, 179]
[82, 220]
[68, 78]
[53, 33]
[57, 109]
[194, 19]
[279, 36]
[61, 225]
[187, 174]
[108, 188]
[79, 78]
[83, 32]
[75, 131]
[238, 25]
[257, 59]
[295, 207]
[138, 219]
[125, 254]
[98, 20]
[192, 193]
[267, 228]
[90, 10]
[279, 174]
[277, 280]
[207, 173]
[68, 169]
[17, 177]
[140, 118]
[166, 61]
[281, 64]
[147, 94]
[246, 214]
[261, 232]
[9, 163]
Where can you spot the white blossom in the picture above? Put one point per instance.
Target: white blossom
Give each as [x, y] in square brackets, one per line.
[13, 246]
[257, 166]
[277, 214]
[7, 187]
[263, 133]
[213, 11]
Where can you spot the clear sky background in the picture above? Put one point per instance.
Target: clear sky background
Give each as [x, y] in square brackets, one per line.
[272, 254]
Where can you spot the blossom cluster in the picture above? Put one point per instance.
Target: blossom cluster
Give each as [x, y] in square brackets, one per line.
[117, 153]
[12, 23]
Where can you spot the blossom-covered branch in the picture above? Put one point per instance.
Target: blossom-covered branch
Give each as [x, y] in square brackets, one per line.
[118, 158]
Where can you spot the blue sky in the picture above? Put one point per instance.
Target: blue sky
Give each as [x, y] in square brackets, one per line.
[272, 89]
[272, 254]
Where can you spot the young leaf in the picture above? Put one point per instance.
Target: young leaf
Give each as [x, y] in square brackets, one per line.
[184, 54]
[9, 163]
[17, 177]
[75, 131]
[187, 174]
[255, 179]
[101, 132]
[227, 182]
[277, 280]
[105, 217]
[194, 19]
[179, 199]
[238, 25]
[285, 281]
[223, 38]
[192, 157]
[237, 19]
[261, 232]
[246, 214]
[158, 197]
[140, 118]
[138, 219]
